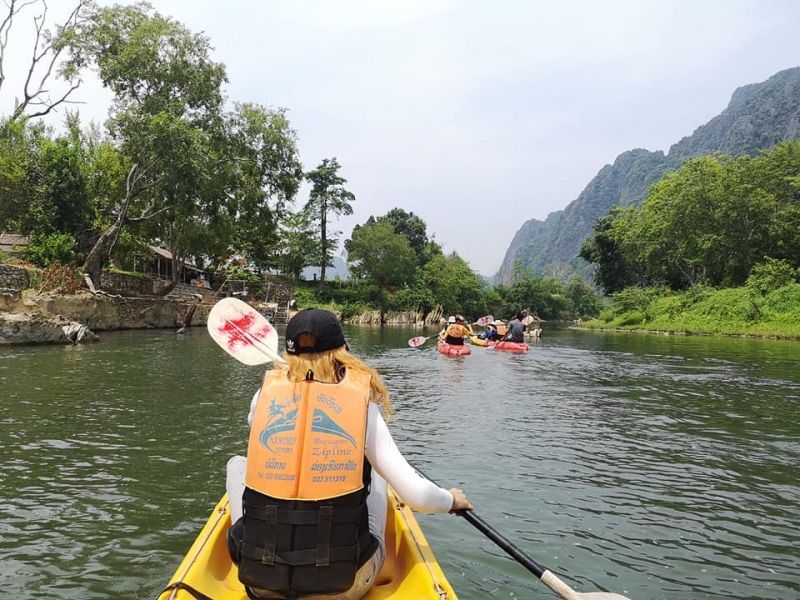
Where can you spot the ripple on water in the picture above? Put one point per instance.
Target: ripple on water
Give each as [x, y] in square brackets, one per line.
[655, 467]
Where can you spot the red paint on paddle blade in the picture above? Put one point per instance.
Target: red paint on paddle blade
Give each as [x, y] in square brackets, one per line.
[244, 330]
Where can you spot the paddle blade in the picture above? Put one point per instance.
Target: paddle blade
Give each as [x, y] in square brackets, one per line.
[567, 593]
[485, 320]
[243, 332]
[417, 341]
[527, 320]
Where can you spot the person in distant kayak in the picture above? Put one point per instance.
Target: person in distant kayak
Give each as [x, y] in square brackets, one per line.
[451, 320]
[502, 329]
[516, 329]
[490, 334]
[309, 503]
[456, 331]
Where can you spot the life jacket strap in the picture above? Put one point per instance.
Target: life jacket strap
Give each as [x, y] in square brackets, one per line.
[297, 558]
[293, 516]
[270, 535]
[324, 536]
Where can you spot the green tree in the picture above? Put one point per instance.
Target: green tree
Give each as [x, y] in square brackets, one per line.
[382, 256]
[166, 118]
[20, 187]
[605, 247]
[44, 180]
[263, 176]
[709, 223]
[414, 229]
[295, 244]
[328, 198]
[453, 284]
[585, 301]
[542, 296]
[64, 165]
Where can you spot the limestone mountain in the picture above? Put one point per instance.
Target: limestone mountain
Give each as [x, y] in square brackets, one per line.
[758, 116]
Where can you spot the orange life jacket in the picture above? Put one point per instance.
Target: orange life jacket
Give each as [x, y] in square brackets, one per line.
[307, 439]
[457, 331]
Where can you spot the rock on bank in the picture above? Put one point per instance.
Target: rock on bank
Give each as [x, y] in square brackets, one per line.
[22, 328]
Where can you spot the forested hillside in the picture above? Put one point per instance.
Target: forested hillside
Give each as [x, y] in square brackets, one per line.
[758, 117]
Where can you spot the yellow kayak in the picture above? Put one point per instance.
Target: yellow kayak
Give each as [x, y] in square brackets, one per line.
[410, 570]
[477, 341]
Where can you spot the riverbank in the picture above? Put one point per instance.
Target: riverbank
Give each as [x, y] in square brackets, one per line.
[31, 318]
[735, 312]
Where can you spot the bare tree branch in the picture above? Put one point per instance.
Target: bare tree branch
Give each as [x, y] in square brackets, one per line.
[47, 51]
[62, 100]
[130, 194]
[5, 28]
[145, 216]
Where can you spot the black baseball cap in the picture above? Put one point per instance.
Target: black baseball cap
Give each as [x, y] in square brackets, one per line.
[321, 324]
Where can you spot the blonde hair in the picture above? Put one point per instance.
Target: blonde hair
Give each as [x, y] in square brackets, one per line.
[329, 367]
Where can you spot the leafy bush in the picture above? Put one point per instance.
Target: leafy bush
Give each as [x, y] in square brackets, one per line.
[638, 300]
[629, 318]
[414, 298]
[783, 304]
[732, 305]
[770, 275]
[352, 309]
[304, 297]
[44, 250]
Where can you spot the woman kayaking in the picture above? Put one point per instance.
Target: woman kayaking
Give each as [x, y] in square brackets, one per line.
[456, 331]
[309, 502]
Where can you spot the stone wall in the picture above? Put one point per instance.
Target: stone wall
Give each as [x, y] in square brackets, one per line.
[105, 313]
[276, 290]
[13, 278]
[126, 285]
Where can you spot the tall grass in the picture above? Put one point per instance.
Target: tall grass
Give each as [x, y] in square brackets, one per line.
[731, 311]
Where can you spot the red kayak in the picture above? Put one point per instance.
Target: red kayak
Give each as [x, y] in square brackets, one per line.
[511, 346]
[453, 350]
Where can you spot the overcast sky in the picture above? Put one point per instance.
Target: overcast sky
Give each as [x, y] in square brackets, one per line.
[480, 115]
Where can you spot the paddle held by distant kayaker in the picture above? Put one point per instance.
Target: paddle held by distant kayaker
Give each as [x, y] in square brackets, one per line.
[309, 502]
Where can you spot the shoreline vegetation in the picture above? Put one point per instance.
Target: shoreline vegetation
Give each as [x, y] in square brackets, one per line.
[747, 311]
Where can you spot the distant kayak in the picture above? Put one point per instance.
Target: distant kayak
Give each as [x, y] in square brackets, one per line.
[453, 350]
[511, 346]
[476, 341]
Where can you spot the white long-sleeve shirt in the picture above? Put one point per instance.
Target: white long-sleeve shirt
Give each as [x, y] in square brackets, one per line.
[382, 453]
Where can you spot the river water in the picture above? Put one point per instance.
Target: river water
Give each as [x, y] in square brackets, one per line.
[658, 467]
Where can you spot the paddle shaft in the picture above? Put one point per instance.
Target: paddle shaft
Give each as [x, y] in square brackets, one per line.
[503, 543]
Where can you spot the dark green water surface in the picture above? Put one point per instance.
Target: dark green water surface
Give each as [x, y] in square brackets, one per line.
[658, 467]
